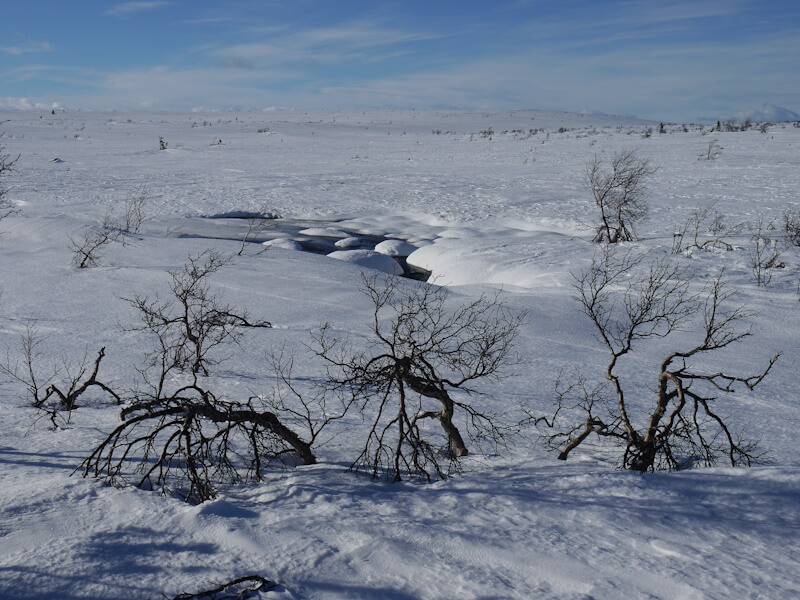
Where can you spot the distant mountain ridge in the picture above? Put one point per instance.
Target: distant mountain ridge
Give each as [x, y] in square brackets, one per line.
[767, 112]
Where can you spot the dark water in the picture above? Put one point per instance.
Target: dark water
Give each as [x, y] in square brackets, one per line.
[235, 225]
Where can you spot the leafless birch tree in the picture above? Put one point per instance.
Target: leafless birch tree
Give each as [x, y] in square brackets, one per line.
[182, 437]
[619, 194]
[682, 424]
[417, 370]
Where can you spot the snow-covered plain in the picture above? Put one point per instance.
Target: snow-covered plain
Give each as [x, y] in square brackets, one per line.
[500, 209]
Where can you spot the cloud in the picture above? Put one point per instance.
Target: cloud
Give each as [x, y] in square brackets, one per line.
[636, 14]
[654, 83]
[210, 21]
[232, 62]
[127, 8]
[667, 62]
[183, 89]
[12, 103]
[768, 112]
[362, 34]
[325, 45]
[27, 48]
[25, 73]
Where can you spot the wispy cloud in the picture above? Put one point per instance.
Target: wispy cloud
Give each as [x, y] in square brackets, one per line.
[362, 34]
[126, 8]
[327, 44]
[236, 63]
[28, 48]
[25, 73]
[211, 21]
[162, 87]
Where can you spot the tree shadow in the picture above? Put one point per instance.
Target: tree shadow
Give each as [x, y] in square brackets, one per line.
[117, 560]
[342, 590]
[50, 460]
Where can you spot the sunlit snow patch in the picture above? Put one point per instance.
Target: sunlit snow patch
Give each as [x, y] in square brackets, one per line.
[395, 248]
[350, 243]
[284, 243]
[370, 260]
[329, 232]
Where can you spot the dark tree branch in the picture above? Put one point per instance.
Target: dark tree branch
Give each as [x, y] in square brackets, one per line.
[420, 351]
[681, 425]
[619, 194]
[180, 436]
[236, 589]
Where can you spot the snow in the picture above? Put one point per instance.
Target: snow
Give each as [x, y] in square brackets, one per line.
[369, 259]
[284, 243]
[510, 213]
[348, 242]
[395, 248]
[323, 232]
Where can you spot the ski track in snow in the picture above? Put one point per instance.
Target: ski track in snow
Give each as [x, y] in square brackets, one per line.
[510, 212]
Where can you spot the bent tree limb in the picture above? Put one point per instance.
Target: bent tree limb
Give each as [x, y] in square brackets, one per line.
[178, 436]
[194, 439]
[239, 588]
[429, 389]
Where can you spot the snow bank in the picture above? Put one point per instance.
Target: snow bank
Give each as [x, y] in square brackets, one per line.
[369, 259]
[395, 248]
[284, 243]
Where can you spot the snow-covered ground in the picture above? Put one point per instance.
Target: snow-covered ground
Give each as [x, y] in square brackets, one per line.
[490, 201]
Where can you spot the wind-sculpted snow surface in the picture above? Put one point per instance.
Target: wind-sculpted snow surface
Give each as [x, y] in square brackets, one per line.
[489, 201]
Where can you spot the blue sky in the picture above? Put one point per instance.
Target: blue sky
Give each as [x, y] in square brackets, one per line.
[671, 60]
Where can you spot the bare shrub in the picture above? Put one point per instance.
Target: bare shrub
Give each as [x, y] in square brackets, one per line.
[41, 390]
[712, 152]
[307, 410]
[619, 194]
[186, 440]
[87, 249]
[6, 167]
[791, 225]
[681, 424]
[764, 252]
[194, 321]
[416, 371]
[182, 436]
[256, 224]
[702, 231]
[135, 209]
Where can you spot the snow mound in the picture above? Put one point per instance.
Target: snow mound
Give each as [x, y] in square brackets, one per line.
[284, 243]
[349, 242]
[395, 248]
[328, 232]
[369, 259]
